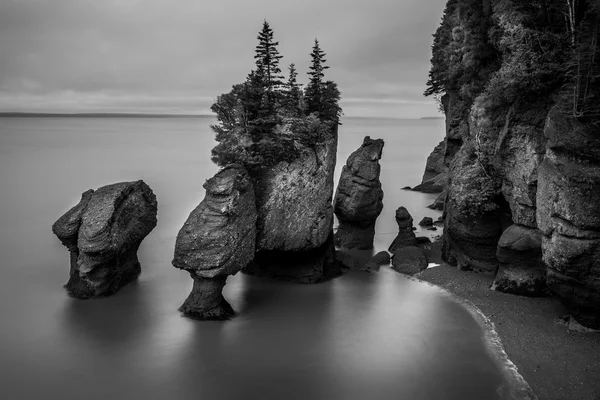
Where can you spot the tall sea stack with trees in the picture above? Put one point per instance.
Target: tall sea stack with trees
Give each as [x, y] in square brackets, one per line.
[285, 136]
[519, 83]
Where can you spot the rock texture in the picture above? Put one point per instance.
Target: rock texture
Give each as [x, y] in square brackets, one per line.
[217, 239]
[409, 260]
[568, 215]
[521, 270]
[103, 233]
[295, 217]
[434, 177]
[378, 260]
[406, 236]
[359, 197]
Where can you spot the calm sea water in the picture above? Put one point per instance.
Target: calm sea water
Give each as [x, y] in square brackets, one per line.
[360, 336]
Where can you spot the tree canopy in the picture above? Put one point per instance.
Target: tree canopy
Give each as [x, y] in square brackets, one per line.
[265, 120]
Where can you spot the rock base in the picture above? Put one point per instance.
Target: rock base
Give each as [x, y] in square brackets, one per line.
[206, 301]
[519, 281]
[409, 260]
[349, 236]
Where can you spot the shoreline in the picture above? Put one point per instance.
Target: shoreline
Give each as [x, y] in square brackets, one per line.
[555, 362]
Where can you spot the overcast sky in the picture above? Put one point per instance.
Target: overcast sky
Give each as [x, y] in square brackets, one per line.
[176, 56]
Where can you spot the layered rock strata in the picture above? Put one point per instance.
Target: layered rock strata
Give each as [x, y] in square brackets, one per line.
[217, 240]
[359, 197]
[103, 233]
[295, 217]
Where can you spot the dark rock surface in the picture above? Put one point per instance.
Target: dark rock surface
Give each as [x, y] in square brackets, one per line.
[409, 260]
[426, 221]
[103, 233]
[359, 197]
[568, 215]
[521, 270]
[406, 236]
[295, 217]
[434, 177]
[217, 239]
[439, 202]
[378, 260]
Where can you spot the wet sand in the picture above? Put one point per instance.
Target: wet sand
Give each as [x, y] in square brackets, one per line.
[558, 363]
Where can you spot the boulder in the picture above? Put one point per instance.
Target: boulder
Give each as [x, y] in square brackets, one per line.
[426, 221]
[103, 233]
[380, 259]
[295, 216]
[521, 270]
[439, 202]
[409, 260]
[406, 236]
[359, 197]
[217, 239]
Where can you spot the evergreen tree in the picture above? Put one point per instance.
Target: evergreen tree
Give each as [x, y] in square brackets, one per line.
[292, 99]
[267, 59]
[315, 88]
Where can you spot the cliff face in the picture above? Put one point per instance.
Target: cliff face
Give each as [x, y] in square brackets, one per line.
[295, 216]
[523, 173]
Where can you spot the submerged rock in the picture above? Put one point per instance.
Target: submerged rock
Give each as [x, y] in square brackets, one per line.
[406, 236]
[409, 260]
[295, 217]
[359, 197]
[103, 233]
[217, 239]
[380, 259]
[521, 270]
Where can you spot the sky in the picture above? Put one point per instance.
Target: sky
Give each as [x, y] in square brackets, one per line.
[177, 56]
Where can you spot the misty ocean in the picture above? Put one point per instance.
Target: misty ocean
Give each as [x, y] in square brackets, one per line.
[361, 336]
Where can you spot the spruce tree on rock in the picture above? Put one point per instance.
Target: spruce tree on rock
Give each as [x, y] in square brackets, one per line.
[316, 87]
[267, 61]
[292, 99]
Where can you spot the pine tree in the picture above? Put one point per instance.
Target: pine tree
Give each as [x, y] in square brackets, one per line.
[315, 88]
[292, 99]
[267, 59]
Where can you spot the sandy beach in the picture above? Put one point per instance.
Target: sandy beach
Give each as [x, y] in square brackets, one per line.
[558, 363]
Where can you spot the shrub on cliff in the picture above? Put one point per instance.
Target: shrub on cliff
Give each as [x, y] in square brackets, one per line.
[264, 121]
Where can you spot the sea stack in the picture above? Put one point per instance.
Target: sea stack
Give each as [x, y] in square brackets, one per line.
[295, 216]
[359, 197]
[103, 233]
[217, 240]
[406, 236]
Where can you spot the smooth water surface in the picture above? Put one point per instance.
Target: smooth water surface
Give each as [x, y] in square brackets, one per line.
[360, 336]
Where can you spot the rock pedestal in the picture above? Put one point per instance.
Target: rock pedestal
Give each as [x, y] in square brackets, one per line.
[295, 217]
[103, 233]
[359, 197]
[406, 236]
[217, 240]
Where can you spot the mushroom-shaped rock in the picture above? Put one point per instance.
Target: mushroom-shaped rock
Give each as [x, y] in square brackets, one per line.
[409, 260]
[103, 233]
[406, 236]
[359, 197]
[521, 270]
[217, 240]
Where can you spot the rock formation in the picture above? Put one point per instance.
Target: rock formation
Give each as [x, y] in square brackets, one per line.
[568, 215]
[378, 260]
[217, 239]
[103, 233]
[521, 270]
[426, 221]
[295, 217]
[406, 237]
[409, 260]
[359, 197]
[434, 177]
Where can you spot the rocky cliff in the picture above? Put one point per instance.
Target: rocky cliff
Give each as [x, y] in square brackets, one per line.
[295, 216]
[521, 150]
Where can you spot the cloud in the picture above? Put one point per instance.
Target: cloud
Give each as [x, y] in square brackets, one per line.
[110, 53]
